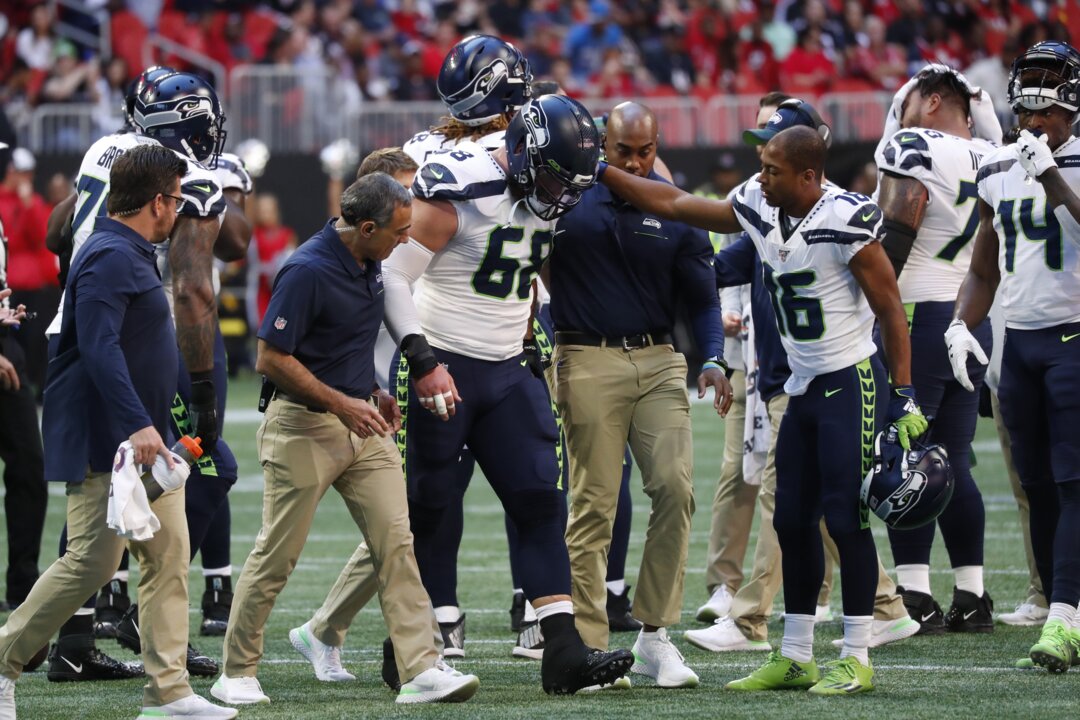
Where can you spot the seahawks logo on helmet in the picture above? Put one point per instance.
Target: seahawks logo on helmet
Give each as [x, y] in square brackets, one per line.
[536, 120]
[907, 489]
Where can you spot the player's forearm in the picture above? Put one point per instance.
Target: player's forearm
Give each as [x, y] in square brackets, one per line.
[235, 235]
[897, 342]
[290, 376]
[194, 304]
[658, 198]
[58, 233]
[975, 298]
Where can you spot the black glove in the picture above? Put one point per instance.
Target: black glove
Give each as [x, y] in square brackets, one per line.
[530, 350]
[202, 410]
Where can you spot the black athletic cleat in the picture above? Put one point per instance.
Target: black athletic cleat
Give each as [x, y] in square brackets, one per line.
[970, 614]
[199, 665]
[216, 605]
[517, 611]
[127, 630]
[389, 666]
[81, 661]
[923, 609]
[454, 638]
[577, 667]
[112, 603]
[618, 612]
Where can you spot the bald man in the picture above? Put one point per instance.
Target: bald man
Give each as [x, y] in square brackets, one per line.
[829, 276]
[616, 274]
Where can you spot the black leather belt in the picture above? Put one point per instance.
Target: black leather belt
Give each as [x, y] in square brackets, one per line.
[625, 342]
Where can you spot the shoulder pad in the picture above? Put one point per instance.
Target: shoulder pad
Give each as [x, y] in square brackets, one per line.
[907, 153]
[202, 192]
[466, 172]
[853, 218]
[232, 174]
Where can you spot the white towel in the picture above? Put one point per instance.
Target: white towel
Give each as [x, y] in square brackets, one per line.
[129, 508]
[756, 430]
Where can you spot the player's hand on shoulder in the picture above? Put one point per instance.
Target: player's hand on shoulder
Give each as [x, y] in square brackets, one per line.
[437, 392]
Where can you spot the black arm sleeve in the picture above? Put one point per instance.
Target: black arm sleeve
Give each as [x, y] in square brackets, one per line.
[899, 238]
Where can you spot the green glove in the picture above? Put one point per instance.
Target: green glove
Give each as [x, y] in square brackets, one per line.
[904, 412]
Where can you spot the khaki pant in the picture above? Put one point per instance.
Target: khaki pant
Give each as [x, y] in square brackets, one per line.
[734, 501]
[606, 396]
[93, 553]
[1034, 594]
[752, 605]
[303, 454]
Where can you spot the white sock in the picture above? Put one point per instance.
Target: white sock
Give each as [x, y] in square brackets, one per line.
[121, 575]
[1064, 612]
[915, 577]
[857, 630]
[616, 586]
[555, 608]
[218, 572]
[530, 612]
[970, 578]
[1075, 624]
[84, 611]
[798, 642]
[448, 613]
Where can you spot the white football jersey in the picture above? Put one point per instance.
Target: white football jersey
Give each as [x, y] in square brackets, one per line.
[232, 174]
[423, 144]
[1040, 270]
[475, 296]
[199, 188]
[946, 166]
[824, 320]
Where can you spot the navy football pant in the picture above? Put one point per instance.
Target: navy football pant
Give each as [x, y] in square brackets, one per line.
[1039, 394]
[955, 413]
[824, 449]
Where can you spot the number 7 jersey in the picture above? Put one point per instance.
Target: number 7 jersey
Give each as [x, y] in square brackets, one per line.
[1040, 269]
[475, 296]
[824, 320]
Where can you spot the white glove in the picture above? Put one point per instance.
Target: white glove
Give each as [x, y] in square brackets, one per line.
[961, 343]
[984, 121]
[1035, 155]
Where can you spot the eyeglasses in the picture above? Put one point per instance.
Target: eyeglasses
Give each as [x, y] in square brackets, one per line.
[179, 201]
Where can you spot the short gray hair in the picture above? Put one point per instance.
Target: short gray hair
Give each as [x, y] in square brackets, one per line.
[373, 197]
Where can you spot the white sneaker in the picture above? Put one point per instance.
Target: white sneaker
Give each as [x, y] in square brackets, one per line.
[440, 683]
[622, 683]
[239, 691]
[1025, 614]
[7, 698]
[193, 706]
[724, 636]
[822, 614]
[884, 632]
[325, 658]
[656, 657]
[718, 605]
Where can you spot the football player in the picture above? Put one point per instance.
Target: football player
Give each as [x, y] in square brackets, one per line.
[482, 227]
[1027, 246]
[928, 195]
[828, 277]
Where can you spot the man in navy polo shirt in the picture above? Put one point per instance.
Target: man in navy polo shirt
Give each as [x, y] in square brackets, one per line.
[113, 379]
[330, 425]
[616, 274]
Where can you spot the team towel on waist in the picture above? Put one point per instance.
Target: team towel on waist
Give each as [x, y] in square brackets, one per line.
[129, 509]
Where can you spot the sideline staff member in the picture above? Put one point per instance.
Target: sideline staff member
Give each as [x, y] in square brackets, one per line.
[615, 275]
[113, 379]
[324, 428]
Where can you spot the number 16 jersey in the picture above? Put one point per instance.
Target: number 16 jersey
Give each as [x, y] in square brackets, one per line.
[475, 296]
[824, 320]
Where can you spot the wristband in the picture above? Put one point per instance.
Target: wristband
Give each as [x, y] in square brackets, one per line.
[421, 357]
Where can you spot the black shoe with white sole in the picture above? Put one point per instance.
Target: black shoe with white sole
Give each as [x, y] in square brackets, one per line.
[970, 613]
[76, 659]
[453, 634]
[924, 610]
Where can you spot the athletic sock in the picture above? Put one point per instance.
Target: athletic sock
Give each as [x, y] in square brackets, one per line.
[969, 578]
[798, 642]
[616, 586]
[857, 629]
[447, 614]
[221, 571]
[1063, 612]
[914, 577]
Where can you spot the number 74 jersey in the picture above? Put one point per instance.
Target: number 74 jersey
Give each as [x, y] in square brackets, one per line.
[1040, 268]
[475, 296]
[824, 320]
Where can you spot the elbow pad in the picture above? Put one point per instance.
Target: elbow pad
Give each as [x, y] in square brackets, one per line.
[899, 238]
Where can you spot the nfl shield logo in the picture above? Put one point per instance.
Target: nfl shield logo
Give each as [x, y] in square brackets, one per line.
[783, 257]
[280, 323]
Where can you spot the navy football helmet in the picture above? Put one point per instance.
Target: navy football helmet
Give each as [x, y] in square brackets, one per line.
[907, 489]
[482, 78]
[552, 148]
[182, 112]
[1048, 73]
[149, 75]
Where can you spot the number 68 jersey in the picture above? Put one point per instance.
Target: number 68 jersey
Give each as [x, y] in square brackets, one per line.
[1040, 269]
[475, 296]
[824, 320]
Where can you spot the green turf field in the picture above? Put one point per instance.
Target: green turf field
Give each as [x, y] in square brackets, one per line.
[918, 678]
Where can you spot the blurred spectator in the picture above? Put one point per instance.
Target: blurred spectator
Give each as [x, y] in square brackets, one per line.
[905, 31]
[756, 58]
[413, 83]
[865, 180]
[815, 14]
[992, 74]
[807, 70]
[852, 25]
[776, 32]
[508, 17]
[32, 269]
[34, 44]
[669, 61]
[271, 244]
[880, 62]
[615, 79]
[70, 80]
[942, 45]
[588, 42]
[723, 178]
[111, 90]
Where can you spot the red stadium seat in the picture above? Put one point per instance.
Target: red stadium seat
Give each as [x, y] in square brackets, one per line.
[128, 40]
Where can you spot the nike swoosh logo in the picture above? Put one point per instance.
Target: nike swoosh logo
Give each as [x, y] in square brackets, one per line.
[203, 188]
[867, 216]
[76, 668]
[967, 615]
[927, 617]
[1067, 338]
[437, 173]
[830, 393]
[524, 363]
[908, 138]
